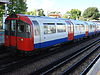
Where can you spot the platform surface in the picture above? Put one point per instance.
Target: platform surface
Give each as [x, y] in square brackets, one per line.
[95, 70]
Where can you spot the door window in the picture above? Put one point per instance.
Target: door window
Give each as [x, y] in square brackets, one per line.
[13, 25]
[23, 27]
[7, 25]
[70, 26]
[36, 28]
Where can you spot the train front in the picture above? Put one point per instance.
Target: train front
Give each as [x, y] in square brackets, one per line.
[18, 33]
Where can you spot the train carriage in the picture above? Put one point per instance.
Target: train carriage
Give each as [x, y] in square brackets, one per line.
[50, 31]
[91, 28]
[79, 29]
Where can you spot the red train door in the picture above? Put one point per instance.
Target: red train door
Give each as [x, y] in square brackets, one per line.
[70, 30]
[7, 33]
[10, 33]
[86, 29]
[86, 33]
[24, 36]
[13, 32]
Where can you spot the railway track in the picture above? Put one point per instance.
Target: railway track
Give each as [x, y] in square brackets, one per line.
[50, 68]
[90, 65]
[78, 63]
[79, 69]
[17, 63]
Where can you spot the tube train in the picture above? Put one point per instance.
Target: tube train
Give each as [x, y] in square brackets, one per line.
[29, 33]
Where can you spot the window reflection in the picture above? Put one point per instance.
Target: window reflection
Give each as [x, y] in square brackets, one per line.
[36, 28]
[7, 25]
[70, 26]
[23, 27]
[49, 28]
[61, 27]
[13, 25]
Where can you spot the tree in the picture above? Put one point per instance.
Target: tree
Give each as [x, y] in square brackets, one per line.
[91, 13]
[32, 13]
[17, 6]
[2, 7]
[74, 13]
[40, 12]
[65, 16]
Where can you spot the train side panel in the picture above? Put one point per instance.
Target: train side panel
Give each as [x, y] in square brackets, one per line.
[91, 28]
[79, 29]
[51, 36]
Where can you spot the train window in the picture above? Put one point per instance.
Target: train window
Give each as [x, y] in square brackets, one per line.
[82, 27]
[61, 27]
[60, 23]
[36, 28]
[7, 25]
[27, 28]
[90, 26]
[20, 28]
[77, 27]
[49, 28]
[13, 25]
[49, 23]
[23, 27]
[70, 26]
[94, 26]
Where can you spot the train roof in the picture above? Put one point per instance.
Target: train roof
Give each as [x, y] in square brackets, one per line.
[90, 22]
[24, 16]
[44, 17]
[77, 22]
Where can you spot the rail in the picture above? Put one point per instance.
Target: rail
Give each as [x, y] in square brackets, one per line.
[55, 65]
[90, 66]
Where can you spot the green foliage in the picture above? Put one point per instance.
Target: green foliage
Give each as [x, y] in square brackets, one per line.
[2, 7]
[32, 13]
[41, 12]
[17, 6]
[64, 16]
[91, 13]
[74, 13]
